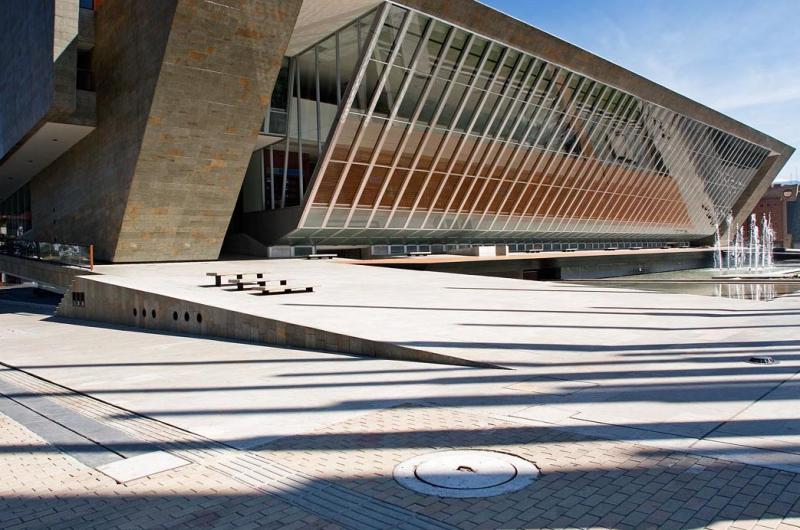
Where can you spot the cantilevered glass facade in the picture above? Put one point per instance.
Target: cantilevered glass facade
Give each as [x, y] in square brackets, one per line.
[403, 128]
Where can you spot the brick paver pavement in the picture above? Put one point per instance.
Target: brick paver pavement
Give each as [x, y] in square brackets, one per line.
[41, 488]
[341, 477]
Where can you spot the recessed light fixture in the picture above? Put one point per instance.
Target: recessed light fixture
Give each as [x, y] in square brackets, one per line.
[55, 139]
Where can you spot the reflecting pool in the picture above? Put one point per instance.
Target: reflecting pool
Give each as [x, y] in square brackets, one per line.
[701, 282]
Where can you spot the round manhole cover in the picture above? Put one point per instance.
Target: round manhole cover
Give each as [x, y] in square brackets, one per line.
[465, 473]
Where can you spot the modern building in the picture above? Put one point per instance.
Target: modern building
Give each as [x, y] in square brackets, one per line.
[158, 131]
[780, 205]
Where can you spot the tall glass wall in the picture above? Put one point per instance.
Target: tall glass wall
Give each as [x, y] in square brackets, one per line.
[448, 135]
[15, 213]
[306, 98]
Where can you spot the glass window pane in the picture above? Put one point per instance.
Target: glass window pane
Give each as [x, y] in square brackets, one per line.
[433, 47]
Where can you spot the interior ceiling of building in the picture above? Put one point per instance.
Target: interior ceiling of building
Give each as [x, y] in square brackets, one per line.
[320, 18]
[39, 151]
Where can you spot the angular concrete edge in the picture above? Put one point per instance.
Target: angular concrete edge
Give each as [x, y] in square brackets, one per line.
[54, 275]
[114, 304]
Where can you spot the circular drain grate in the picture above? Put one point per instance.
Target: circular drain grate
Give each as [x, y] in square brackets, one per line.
[465, 474]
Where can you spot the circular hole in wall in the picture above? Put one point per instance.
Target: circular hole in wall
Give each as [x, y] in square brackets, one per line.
[144, 312]
[153, 313]
[174, 315]
[186, 316]
[135, 312]
[199, 318]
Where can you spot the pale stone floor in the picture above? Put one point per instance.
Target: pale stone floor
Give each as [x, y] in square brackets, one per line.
[281, 438]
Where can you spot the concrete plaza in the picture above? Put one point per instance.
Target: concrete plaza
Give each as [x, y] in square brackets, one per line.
[639, 408]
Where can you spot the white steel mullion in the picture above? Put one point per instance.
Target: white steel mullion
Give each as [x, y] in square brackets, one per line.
[518, 147]
[620, 172]
[602, 150]
[753, 153]
[608, 165]
[595, 118]
[271, 179]
[447, 136]
[480, 141]
[344, 109]
[559, 216]
[497, 140]
[290, 95]
[672, 210]
[626, 174]
[372, 103]
[735, 147]
[462, 143]
[391, 118]
[429, 130]
[710, 164]
[560, 157]
[701, 142]
[521, 147]
[714, 161]
[299, 138]
[552, 150]
[535, 150]
[690, 179]
[410, 128]
[541, 152]
[665, 206]
[635, 203]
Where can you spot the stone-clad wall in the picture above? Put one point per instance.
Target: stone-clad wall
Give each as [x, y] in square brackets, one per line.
[26, 56]
[80, 198]
[65, 57]
[217, 75]
[182, 87]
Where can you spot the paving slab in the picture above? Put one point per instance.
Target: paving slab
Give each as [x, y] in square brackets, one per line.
[141, 466]
[664, 366]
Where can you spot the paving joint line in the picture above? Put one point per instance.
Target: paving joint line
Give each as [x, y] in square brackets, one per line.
[265, 474]
[162, 435]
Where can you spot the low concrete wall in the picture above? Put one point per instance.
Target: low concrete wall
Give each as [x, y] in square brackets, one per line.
[56, 276]
[620, 264]
[91, 298]
[570, 267]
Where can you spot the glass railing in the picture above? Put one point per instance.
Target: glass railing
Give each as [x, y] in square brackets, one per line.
[60, 253]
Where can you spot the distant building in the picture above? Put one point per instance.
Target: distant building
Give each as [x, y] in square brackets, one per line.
[781, 205]
[156, 131]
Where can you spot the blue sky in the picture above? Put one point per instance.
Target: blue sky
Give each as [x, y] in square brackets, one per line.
[741, 57]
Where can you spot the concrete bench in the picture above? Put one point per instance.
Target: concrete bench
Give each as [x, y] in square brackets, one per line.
[569, 249]
[284, 289]
[418, 253]
[239, 275]
[534, 251]
[635, 248]
[240, 284]
[611, 248]
[321, 256]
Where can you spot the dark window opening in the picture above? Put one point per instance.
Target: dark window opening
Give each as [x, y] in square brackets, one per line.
[85, 74]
